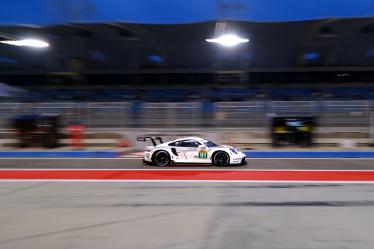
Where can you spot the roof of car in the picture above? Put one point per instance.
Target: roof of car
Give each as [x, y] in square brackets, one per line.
[187, 138]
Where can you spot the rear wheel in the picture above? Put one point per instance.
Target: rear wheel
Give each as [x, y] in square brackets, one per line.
[161, 158]
[221, 158]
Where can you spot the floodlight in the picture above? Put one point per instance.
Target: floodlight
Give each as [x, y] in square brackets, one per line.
[27, 43]
[228, 40]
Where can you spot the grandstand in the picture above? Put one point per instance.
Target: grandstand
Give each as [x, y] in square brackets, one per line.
[326, 59]
[216, 94]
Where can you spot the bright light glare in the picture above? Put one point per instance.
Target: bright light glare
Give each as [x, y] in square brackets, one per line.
[228, 40]
[28, 43]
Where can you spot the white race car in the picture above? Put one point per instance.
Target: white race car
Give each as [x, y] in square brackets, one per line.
[191, 150]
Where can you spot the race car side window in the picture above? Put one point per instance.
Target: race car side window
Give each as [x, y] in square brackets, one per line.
[176, 143]
[190, 143]
[210, 144]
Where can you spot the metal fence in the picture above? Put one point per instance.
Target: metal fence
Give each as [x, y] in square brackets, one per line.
[192, 114]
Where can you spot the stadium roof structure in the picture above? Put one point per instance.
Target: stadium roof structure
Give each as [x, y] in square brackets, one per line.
[107, 48]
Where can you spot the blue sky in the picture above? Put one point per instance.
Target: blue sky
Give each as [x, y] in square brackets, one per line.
[175, 11]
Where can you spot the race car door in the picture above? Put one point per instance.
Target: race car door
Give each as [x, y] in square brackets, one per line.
[178, 154]
[194, 152]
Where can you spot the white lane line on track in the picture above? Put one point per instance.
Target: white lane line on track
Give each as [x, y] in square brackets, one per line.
[181, 181]
[179, 169]
[132, 158]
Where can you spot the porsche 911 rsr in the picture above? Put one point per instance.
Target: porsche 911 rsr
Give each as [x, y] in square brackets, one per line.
[194, 150]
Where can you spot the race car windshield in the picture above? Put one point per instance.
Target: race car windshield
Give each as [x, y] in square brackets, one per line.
[209, 144]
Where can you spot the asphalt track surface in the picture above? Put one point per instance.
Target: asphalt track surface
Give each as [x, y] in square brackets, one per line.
[185, 215]
[180, 215]
[136, 163]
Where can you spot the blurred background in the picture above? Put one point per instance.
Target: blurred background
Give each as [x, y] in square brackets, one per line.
[240, 72]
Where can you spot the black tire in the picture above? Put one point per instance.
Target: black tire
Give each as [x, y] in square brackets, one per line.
[161, 158]
[221, 158]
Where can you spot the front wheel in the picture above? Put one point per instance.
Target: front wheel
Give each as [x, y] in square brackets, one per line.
[221, 158]
[161, 158]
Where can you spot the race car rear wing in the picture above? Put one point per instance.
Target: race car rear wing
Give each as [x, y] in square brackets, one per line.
[143, 139]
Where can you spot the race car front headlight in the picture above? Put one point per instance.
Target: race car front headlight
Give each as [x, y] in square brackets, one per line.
[233, 150]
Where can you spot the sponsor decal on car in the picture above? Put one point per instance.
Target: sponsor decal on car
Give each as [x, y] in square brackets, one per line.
[202, 153]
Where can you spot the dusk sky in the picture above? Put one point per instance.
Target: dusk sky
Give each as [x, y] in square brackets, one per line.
[175, 11]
